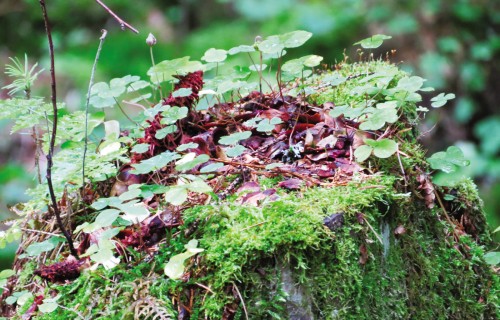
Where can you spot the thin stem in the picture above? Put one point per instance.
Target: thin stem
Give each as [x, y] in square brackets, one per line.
[91, 83]
[123, 23]
[50, 155]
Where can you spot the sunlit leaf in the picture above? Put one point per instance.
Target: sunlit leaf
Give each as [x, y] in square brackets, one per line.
[492, 258]
[189, 161]
[441, 99]
[235, 137]
[448, 161]
[176, 195]
[182, 92]
[363, 152]
[154, 163]
[295, 38]
[162, 133]
[186, 146]
[241, 48]
[171, 115]
[174, 269]
[211, 167]
[214, 55]
[165, 70]
[140, 148]
[383, 148]
[235, 151]
[373, 42]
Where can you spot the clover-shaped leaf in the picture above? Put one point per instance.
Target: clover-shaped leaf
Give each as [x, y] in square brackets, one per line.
[241, 48]
[384, 113]
[140, 148]
[383, 148]
[410, 84]
[235, 151]
[185, 146]
[266, 125]
[182, 92]
[190, 160]
[234, 138]
[373, 42]
[271, 45]
[441, 99]
[163, 132]
[211, 167]
[166, 70]
[154, 163]
[174, 269]
[176, 195]
[171, 115]
[214, 55]
[448, 161]
[295, 39]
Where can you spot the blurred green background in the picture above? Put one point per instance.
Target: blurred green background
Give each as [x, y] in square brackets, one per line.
[455, 45]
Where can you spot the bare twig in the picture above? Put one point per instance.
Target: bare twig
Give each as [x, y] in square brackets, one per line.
[122, 23]
[91, 83]
[50, 154]
[374, 232]
[242, 302]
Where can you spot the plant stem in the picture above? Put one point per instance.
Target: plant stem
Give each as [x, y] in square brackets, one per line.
[122, 22]
[50, 154]
[91, 83]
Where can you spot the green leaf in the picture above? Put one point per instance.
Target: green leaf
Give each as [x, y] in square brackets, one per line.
[234, 138]
[37, 248]
[6, 273]
[410, 84]
[295, 39]
[312, 60]
[379, 117]
[363, 152]
[186, 146]
[448, 161]
[165, 70]
[162, 133]
[138, 85]
[188, 161]
[492, 258]
[199, 186]
[241, 48]
[271, 45]
[258, 67]
[266, 125]
[106, 257]
[106, 218]
[171, 115]
[383, 148]
[176, 195]
[182, 92]
[140, 148]
[214, 55]
[211, 167]
[48, 307]
[235, 151]
[134, 212]
[441, 99]
[274, 165]
[174, 269]
[373, 42]
[133, 192]
[154, 163]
